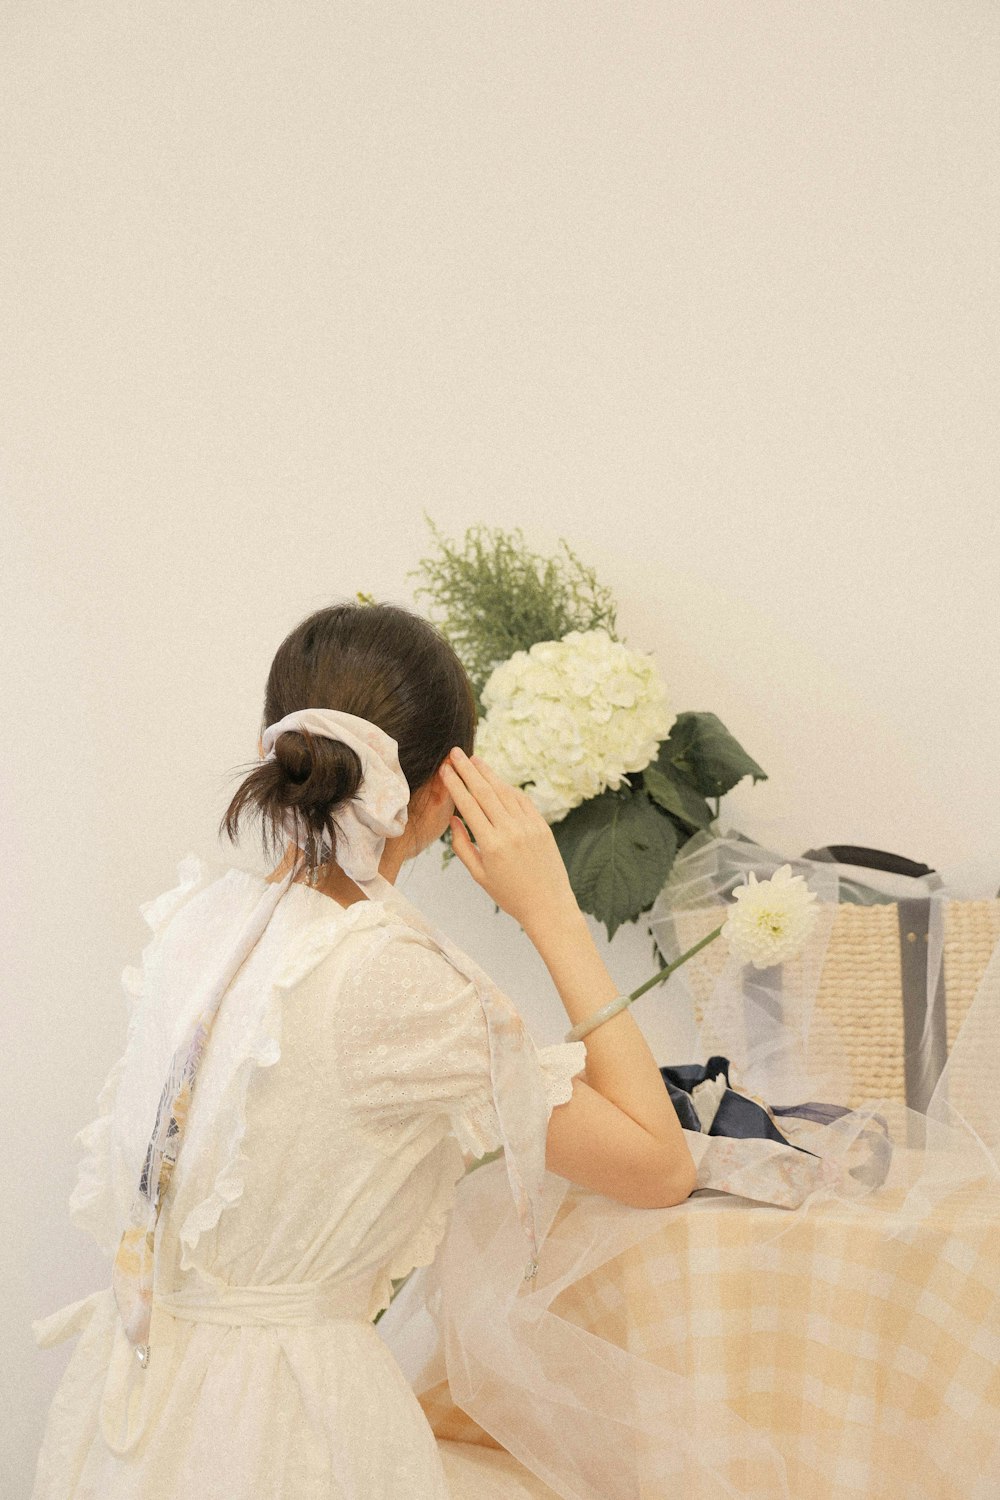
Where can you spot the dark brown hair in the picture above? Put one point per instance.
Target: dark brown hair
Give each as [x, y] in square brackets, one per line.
[378, 661]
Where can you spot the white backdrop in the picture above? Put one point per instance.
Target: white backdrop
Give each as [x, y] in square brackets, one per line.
[709, 289]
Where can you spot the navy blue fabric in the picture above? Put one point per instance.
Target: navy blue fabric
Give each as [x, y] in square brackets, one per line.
[736, 1115]
[739, 1116]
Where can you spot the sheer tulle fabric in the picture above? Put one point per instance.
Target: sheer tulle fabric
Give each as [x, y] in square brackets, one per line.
[596, 1421]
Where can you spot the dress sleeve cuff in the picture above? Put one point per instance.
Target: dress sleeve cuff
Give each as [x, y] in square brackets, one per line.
[561, 1062]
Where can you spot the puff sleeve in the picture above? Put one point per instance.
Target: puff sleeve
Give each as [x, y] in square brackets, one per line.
[411, 1045]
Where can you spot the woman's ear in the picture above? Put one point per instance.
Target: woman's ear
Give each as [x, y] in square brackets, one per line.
[434, 794]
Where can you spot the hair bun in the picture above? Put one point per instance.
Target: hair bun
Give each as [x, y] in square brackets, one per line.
[323, 772]
[293, 754]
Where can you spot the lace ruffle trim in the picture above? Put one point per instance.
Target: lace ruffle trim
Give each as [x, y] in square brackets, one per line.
[262, 1049]
[91, 1204]
[422, 1248]
[561, 1063]
[474, 1122]
[474, 1125]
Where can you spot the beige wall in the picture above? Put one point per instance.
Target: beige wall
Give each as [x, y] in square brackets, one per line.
[710, 289]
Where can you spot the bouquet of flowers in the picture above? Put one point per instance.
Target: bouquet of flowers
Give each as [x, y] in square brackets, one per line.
[576, 717]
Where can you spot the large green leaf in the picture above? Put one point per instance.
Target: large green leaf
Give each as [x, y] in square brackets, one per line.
[618, 851]
[675, 795]
[703, 752]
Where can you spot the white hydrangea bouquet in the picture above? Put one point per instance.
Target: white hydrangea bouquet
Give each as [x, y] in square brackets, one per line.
[570, 719]
[581, 721]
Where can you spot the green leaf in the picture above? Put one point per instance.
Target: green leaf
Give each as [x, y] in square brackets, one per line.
[618, 851]
[448, 852]
[669, 791]
[701, 750]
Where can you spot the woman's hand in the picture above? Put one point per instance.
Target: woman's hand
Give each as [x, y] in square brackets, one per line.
[514, 858]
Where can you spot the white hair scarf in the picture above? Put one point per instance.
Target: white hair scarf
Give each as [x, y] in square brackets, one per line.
[378, 811]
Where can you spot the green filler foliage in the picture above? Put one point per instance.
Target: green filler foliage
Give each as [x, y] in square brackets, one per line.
[494, 596]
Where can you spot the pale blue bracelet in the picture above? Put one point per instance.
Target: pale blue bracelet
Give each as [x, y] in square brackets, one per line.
[580, 1030]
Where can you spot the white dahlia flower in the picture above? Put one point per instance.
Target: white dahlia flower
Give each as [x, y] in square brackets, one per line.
[771, 919]
[568, 719]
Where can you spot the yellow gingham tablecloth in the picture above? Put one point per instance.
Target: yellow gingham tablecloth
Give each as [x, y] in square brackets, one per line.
[870, 1359]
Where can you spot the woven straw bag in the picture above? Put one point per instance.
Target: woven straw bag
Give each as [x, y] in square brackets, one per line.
[874, 964]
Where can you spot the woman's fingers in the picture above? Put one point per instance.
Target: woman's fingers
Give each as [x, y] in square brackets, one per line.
[514, 798]
[465, 849]
[483, 788]
[466, 802]
[506, 794]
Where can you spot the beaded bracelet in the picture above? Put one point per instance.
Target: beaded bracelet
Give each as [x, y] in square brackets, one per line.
[581, 1029]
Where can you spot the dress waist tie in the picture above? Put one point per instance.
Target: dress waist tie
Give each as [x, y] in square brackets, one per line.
[291, 1303]
[133, 1394]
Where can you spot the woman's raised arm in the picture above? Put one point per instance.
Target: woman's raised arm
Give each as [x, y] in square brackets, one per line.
[619, 1134]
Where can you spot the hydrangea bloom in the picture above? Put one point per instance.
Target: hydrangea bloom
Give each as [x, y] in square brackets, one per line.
[568, 719]
[771, 918]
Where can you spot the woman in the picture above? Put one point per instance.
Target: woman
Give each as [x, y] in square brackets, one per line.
[349, 1064]
[310, 1068]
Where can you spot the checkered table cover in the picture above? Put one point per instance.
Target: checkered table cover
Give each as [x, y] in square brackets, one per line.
[871, 1362]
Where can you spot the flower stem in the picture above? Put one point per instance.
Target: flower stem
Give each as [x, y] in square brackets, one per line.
[665, 974]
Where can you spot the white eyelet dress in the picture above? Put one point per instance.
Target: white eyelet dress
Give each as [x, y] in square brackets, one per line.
[347, 1072]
